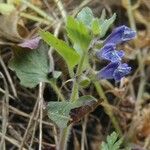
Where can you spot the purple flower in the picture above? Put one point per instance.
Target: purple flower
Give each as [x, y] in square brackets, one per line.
[31, 43]
[110, 53]
[114, 70]
[120, 34]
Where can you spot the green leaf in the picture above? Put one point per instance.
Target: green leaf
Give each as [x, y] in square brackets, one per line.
[69, 54]
[84, 81]
[59, 112]
[31, 66]
[78, 33]
[96, 26]
[113, 143]
[103, 15]
[6, 9]
[85, 16]
[105, 24]
[57, 74]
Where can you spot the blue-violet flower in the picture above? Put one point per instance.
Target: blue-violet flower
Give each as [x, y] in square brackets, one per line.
[120, 34]
[110, 53]
[114, 70]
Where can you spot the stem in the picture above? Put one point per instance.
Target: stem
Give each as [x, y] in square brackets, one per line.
[61, 8]
[34, 18]
[41, 89]
[64, 136]
[57, 90]
[38, 10]
[130, 15]
[8, 76]
[74, 95]
[107, 108]
[79, 70]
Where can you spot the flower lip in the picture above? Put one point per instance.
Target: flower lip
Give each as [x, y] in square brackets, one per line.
[114, 70]
[110, 53]
[120, 34]
[121, 71]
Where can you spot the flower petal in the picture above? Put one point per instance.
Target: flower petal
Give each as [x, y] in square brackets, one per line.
[108, 71]
[120, 34]
[121, 71]
[108, 52]
[31, 43]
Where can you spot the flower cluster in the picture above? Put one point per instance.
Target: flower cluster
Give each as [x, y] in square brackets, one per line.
[115, 69]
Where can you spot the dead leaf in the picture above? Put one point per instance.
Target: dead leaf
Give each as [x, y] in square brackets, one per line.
[78, 113]
[11, 29]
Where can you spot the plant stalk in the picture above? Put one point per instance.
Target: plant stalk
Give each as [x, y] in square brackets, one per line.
[57, 90]
[74, 96]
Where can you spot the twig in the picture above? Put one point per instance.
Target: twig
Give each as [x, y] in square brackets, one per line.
[11, 140]
[29, 124]
[14, 110]
[5, 112]
[84, 132]
[33, 134]
[55, 137]
[57, 90]
[38, 10]
[34, 18]
[61, 8]
[35, 125]
[4, 92]
[8, 76]
[41, 113]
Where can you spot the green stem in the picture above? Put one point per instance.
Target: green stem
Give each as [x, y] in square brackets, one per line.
[64, 135]
[74, 94]
[57, 90]
[107, 108]
[79, 70]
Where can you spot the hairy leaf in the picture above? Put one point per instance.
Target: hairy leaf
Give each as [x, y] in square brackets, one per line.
[85, 16]
[31, 66]
[105, 24]
[69, 54]
[96, 26]
[78, 33]
[63, 114]
[59, 112]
